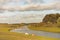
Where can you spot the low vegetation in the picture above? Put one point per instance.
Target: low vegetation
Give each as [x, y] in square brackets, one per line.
[8, 27]
[51, 18]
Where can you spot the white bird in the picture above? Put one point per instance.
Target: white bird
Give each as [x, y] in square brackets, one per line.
[26, 34]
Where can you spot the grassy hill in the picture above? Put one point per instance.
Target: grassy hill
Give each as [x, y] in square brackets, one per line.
[50, 23]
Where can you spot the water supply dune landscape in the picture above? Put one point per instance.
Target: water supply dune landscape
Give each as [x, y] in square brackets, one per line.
[29, 19]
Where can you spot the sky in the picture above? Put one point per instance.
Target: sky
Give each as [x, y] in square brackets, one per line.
[41, 7]
[31, 4]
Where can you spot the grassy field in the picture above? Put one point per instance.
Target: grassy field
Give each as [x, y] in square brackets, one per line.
[44, 27]
[19, 36]
[48, 29]
[5, 34]
[7, 27]
[11, 26]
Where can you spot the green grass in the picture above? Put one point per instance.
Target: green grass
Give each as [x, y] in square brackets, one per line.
[6, 35]
[11, 25]
[48, 28]
[19, 36]
[7, 27]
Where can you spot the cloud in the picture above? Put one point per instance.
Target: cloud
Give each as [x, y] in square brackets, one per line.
[39, 6]
[34, 6]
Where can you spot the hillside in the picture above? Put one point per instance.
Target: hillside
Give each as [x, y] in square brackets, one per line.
[50, 23]
[51, 18]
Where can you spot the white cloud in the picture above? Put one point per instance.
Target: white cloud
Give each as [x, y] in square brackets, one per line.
[34, 5]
